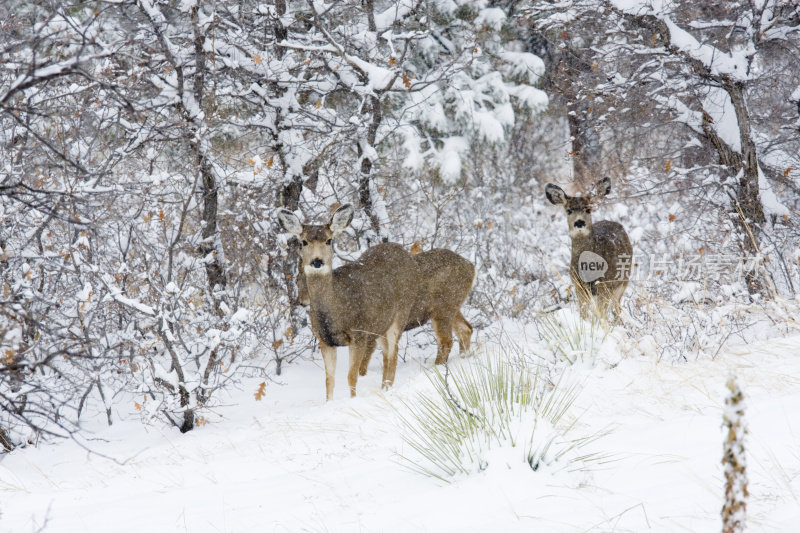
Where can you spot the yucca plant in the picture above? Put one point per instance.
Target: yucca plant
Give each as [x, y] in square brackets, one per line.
[570, 337]
[483, 405]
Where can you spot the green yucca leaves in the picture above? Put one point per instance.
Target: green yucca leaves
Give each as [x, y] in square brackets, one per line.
[485, 403]
[569, 336]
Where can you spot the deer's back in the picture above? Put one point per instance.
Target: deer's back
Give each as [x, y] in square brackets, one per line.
[375, 289]
[445, 279]
[611, 239]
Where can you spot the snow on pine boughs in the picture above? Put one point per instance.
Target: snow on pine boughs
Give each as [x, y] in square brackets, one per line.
[734, 461]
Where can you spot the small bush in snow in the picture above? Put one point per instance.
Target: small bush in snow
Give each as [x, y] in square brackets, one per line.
[570, 337]
[487, 410]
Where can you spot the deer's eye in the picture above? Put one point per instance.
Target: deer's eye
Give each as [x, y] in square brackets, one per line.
[305, 243]
[569, 211]
[328, 242]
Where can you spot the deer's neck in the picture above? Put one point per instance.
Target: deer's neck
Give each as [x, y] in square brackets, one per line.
[330, 318]
[581, 243]
[320, 292]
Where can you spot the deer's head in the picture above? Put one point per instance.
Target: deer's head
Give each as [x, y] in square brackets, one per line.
[578, 208]
[316, 239]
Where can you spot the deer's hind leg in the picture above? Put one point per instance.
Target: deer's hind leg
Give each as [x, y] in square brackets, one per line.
[463, 331]
[365, 363]
[443, 329]
[616, 299]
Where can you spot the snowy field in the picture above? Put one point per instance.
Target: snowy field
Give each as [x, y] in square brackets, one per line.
[291, 462]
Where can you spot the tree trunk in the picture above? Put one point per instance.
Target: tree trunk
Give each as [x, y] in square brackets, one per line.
[585, 152]
[188, 421]
[215, 273]
[5, 442]
[747, 193]
[365, 180]
[747, 197]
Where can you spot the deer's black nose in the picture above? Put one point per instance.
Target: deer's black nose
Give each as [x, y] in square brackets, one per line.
[580, 224]
[316, 263]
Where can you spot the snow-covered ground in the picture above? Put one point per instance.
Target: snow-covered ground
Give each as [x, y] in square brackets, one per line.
[290, 462]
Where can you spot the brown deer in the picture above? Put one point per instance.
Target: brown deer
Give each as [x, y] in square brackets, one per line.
[359, 304]
[376, 298]
[601, 252]
[444, 280]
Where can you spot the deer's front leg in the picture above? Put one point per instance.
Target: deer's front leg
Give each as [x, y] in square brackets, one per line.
[390, 354]
[329, 359]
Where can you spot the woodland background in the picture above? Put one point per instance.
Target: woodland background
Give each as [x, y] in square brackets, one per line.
[144, 146]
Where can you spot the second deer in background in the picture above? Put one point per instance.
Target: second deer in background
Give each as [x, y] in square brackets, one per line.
[601, 252]
[444, 280]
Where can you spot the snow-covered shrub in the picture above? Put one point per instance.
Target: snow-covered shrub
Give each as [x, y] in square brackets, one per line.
[489, 409]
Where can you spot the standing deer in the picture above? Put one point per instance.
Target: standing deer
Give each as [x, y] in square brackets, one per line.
[376, 298]
[444, 280]
[601, 252]
[357, 305]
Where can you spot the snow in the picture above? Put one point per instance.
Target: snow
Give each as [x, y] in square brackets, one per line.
[116, 294]
[411, 144]
[449, 158]
[491, 17]
[535, 100]
[717, 103]
[186, 5]
[293, 463]
[772, 206]
[524, 65]
[393, 13]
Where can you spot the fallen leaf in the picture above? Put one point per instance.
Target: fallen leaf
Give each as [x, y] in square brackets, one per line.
[261, 392]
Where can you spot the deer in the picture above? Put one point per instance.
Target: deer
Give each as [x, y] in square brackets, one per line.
[601, 251]
[444, 280]
[373, 300]
[359, 304]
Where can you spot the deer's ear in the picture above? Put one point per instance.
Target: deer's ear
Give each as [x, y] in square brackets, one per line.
[602, 187]
[341, 218]
[289, 221]
[555, 194]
